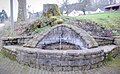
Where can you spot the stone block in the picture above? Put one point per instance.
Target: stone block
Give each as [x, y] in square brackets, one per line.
[43, 67]
[67, 68]
[87, 67]
[49, 68]
[75, 68]
[64, 63]
[57, 68]
[81, 63]
[117, 40]
[74, 63]
[41, 56]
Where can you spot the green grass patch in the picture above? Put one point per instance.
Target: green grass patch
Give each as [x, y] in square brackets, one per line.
[109, 20]
[40, 30]
[113, 62]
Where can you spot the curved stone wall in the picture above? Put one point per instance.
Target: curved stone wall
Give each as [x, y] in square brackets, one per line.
[61, 60]
[67, 33]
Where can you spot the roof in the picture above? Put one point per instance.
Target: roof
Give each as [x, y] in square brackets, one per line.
[114, 5]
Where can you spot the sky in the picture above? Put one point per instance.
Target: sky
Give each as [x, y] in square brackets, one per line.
[36, 5]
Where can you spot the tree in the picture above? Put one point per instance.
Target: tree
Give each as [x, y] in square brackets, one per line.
[22, 10]
[50, 10]
[112, 1]
[80, 1]
[85, 3]
[65, 4]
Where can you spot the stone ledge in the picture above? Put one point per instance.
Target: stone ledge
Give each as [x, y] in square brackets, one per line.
[15, 40]
[104, 40]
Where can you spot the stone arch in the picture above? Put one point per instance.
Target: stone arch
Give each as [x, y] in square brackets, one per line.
[66, 33]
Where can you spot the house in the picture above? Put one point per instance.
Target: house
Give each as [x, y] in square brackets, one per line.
[76, 13]
[99, 10]
[113, 7]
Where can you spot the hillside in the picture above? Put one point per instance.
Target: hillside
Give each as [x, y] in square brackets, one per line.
[103, 24]
[110, 20]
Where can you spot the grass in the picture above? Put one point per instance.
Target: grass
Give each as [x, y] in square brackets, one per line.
[115, 62]
[109, 20]
[40, 30]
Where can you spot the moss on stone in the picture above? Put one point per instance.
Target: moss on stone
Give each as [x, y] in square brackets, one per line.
[8, 54]
[58, 13]
[59, 21]
[54, 20]
[50, 11]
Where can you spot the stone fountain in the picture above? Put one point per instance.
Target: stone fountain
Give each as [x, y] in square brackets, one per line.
[62, 48]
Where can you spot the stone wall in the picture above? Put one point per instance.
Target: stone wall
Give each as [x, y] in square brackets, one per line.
[58, 60]
[62, 46]
[104, 40]
[63, 34]
[112, 53]
[11, 54]
[92, 28]
[117, 42]
[62, 60]
[24, 28]
[15, 40]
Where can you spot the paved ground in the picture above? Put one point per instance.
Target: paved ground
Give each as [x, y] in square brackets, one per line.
[12, 67]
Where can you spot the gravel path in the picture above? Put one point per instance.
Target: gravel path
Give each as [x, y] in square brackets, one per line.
[12, 67]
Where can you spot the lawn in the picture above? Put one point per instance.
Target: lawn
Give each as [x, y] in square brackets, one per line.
[109, 20]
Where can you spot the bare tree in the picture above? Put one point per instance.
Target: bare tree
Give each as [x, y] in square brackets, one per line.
[112, 1]
[85, 3]
[65, 4]
[80, 1]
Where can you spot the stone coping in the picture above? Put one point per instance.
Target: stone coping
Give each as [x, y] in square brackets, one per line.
[16, 37]
[106, 49]
[116, 37]
[108, 38]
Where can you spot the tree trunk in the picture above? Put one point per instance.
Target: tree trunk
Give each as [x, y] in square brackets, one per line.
[50, 10]
[21, 10]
